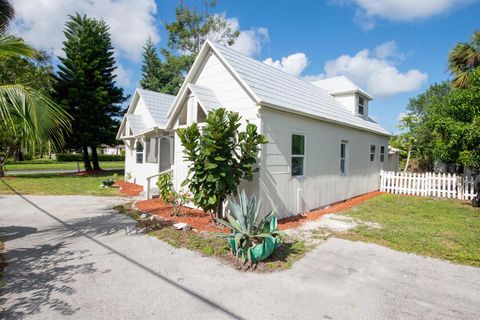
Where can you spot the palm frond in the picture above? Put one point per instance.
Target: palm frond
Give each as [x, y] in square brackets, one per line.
[28, 113]
[12, 46]
[6, 14]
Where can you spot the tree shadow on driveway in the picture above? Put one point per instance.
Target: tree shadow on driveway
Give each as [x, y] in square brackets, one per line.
[38, 276]
[60, 266]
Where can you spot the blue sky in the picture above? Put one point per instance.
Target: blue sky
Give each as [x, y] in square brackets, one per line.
[394, 49]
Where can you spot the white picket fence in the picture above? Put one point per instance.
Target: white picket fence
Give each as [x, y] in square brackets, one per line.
[427, 184]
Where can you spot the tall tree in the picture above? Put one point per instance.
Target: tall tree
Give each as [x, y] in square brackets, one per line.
[86, 85]
[150, 67]
[192, 27]
[25, 113]
[463, 59]
[186, 36]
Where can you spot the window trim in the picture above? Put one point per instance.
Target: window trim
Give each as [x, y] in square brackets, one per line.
[298, 155]
[142, 152]
[363, 105]
[374, 153]
[147, 151]
[344, 173]
[382, 153]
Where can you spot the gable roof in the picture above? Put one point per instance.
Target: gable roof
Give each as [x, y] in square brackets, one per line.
[157, 105]
[339, 85]
[273, 88]
[136, 123]
[205, 97]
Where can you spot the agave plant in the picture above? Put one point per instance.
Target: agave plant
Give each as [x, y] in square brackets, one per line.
[253, 237]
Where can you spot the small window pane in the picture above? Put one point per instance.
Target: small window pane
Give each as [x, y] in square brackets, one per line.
[298, 144]
[361, 106]
[342, 166]
[139, 152]
[382, 153]
[342, 150]
[297, 166]
[372, 152]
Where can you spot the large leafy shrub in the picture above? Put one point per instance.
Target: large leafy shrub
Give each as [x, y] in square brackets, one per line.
[220, 158]
[253, 237]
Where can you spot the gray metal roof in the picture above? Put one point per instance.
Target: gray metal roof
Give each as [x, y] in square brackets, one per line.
[136, 122]
[275, 88]
[205, 96]
[157, 104]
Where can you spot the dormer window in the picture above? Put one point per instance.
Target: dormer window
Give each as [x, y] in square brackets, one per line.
[361, 106]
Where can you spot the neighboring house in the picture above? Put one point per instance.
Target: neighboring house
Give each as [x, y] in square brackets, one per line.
[112, 150]
[323, 147]
[393, 163]
[148, 146]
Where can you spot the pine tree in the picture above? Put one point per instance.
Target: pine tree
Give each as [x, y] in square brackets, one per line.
[150, 67]
[86, 86]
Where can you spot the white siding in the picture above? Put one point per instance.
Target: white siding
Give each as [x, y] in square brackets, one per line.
[322, 183]
[231, 95]
[226, 88]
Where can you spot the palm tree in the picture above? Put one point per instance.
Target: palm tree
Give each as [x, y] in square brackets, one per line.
[24, 112]
[463, 59]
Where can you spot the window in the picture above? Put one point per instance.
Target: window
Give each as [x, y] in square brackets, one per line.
[139, 152]
[343, 158]
[372, 152]
[361, 106]
[382, 153]
[152, 150]
[298, 155]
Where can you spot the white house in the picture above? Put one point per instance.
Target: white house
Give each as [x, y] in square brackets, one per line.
[323, 146]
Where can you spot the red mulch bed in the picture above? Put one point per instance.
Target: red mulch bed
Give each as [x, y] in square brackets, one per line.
[197, 219]
[128, 189]
[295, 221]
[90, 172]
[202, 221]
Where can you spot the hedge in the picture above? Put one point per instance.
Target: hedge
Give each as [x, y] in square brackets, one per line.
[78, 157]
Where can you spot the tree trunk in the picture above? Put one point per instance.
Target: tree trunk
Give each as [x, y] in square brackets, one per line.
[86, 159]
[408, 159]
[220, 209]
[96, 165]
[18, 154]
[2, 171]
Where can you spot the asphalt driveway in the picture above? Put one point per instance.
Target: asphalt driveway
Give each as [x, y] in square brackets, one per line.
[74, 257]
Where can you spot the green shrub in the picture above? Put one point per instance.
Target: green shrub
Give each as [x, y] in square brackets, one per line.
[71, 157]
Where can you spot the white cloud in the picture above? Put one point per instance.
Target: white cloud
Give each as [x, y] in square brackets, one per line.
[42, 22]
[123, 76]
[400, 10]
[376, 71]
[251, 41]
[293, 64]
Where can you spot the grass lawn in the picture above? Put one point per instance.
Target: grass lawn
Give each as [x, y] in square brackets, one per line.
[57, 184]
[50, 164]
[441, 228]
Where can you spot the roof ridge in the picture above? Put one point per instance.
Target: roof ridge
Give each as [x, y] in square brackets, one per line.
[269, 66]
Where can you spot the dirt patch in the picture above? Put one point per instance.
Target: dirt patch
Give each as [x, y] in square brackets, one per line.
[128, 189]
[197, 219]
[298, 220]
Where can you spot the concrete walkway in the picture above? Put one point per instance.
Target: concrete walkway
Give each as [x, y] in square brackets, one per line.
[73, 257]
